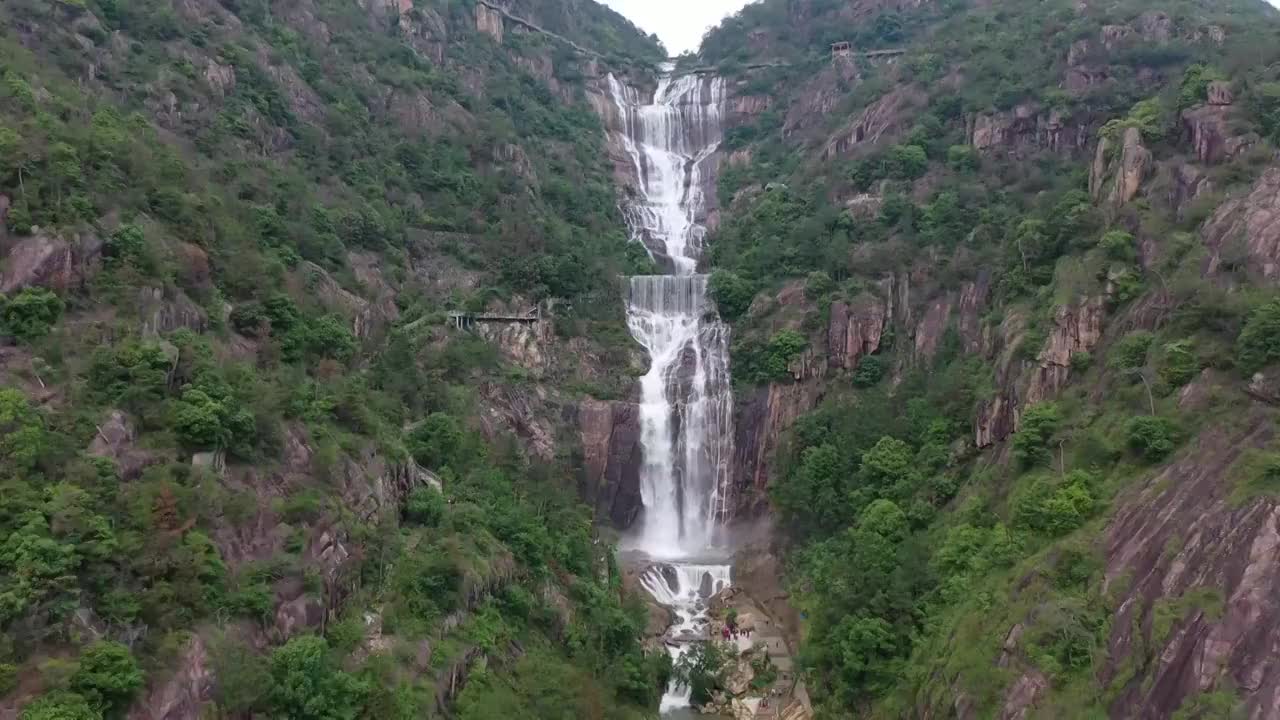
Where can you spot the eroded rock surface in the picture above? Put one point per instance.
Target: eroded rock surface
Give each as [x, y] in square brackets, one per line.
[1181, 545]
[1248, 225]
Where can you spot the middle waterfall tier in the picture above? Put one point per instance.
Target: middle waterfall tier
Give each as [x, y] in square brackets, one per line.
[685, 414]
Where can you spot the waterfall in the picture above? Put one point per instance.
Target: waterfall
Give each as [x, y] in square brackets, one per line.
[686, 407]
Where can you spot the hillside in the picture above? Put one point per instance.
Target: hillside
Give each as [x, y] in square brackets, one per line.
[249, 467]
[1004, 306]
[319, 399]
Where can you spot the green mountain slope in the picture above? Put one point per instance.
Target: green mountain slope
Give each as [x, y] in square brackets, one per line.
[1008, 289]
[231, 231]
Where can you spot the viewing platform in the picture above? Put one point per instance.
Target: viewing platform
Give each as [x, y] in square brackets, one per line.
[464, 320]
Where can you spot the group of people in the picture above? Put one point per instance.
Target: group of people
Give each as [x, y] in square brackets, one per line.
[732, 631]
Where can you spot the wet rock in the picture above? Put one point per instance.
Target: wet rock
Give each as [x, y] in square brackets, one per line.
[51, 261]
[527, 345]
[1248, 226]
[220, 78]
[1155, 26]
[762, 419]
[611, 458]
[1112, 35]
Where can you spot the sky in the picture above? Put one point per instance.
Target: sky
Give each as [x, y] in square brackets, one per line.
[678, 23]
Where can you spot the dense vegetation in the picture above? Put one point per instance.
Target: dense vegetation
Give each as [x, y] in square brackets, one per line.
[913, 553]
[207, 426]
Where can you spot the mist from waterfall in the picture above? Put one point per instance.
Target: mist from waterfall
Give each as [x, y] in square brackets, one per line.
[686, 404]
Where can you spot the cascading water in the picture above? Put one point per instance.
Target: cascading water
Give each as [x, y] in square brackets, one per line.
[686, 407]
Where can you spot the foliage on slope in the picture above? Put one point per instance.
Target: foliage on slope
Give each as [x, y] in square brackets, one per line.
[247, 195]
[936, 577]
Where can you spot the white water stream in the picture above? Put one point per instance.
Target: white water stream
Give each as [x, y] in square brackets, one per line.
[686, 407]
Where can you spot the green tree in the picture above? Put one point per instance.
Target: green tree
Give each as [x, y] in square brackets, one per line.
[1031, 442]
[905, 162]
[888, 469]
[22, 432]
[962, 158]
[1259, 341]
[1152, 437]
[435, 443]
[1118, 245]
[308, 685]
[108, 676]
[29, 314]
[869, 371]
[732, 294]
[425, 506]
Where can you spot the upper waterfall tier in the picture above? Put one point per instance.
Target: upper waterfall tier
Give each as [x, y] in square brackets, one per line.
[672, 141]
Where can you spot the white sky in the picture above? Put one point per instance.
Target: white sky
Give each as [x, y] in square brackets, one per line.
[678, 23]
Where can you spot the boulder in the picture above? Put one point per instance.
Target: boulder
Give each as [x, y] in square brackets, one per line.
[51, 261]
[1250, 224]
[183, 692]
[165, 309]
[1219, 93]
[1131, 169]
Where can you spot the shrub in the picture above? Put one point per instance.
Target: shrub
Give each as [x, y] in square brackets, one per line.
[869, 372]
[1259, 341]
[818, 284]
[1055, 507]
[308, 685]
[23, 438]
[425, 506]
[732, 294]
[435, 442]
[962, 158]
[126, 246]
[1154, 438]
[1179, 363]
[1131, 352]
[905, 162]
[60, 706]
[1118, 245]
[107, 676]
[29, 314]
[1031, 442]
[1081, 361]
